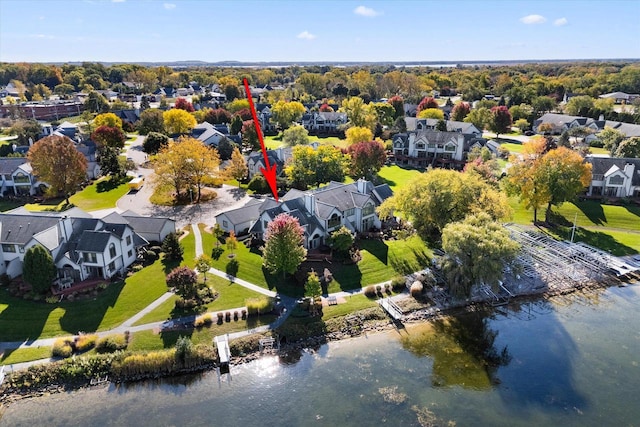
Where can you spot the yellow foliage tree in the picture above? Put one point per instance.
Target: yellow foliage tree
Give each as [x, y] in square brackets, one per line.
[177, 121]
[431, 113]
[107, 119]
[358, 134]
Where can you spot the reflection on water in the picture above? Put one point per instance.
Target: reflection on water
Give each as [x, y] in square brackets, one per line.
[572, 361]
[462, 348]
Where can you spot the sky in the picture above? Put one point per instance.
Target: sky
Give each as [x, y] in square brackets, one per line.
[397, 31]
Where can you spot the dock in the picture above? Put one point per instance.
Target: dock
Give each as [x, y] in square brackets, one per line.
[222, 344]
[391, 308]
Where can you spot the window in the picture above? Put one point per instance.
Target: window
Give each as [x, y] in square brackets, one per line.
[8, 248]
[334, 221]
[90, 257]
[128, 240]
[129, 253]
[8, 177]
[431, 145]
[112, 250]
[450, 147]
[368, 210]
[21, 249]
[350, 212]
[224, 224]
[21, 178]
[616, 180]
[112, 266]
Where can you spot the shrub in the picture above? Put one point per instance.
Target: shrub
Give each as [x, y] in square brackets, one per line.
[62, 348]
[220, 318]
[150, 256]
[184, 348]
[398, 283]
[244, 345]
[244, 314]
[260, 305]
[137, 268]
[370, 291]
[204, 320]
[217, 252]
[5, 280]
[416, 290]
[51, 300]
[189, 304]
[235, 315]
[112, 343]
[227, 316]
[85, 342]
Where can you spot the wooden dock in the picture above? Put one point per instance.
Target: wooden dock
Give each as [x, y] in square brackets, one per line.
[222, 344]
[392, 308]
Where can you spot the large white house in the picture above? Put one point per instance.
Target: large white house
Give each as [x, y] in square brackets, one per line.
[320, 212]
[82, 247]
[614, 177]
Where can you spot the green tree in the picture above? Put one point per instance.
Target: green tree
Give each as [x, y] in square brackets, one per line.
[308, 166]
[203, 264]
[313, 84]
[313, 288]
[477, 250]
[184, 281]
[283, 250]
[500, 120]
[172, 247]
[231, 242]
[479, 117]
[629, 148]
[151, 120]
[225, 148]
[109, 161]
[285, 113]
[154, 142]
[178, 122]
[96, 103]
[26, 130]
[236, 125]
[38, 269]
[385, 113]
[611, 138]
[341, 240]
[56, 161]
[579, 105]
[358, 113]
[295, 135]
[440, 196]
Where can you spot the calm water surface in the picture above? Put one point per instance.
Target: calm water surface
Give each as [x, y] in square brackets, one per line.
[572, 361]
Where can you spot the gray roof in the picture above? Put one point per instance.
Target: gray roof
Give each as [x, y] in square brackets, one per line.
[206, 133]
[383, 192]
[8, 165]
[93, 241]
[601, 165]
[145, 225]
[248, 212]
[19, 229]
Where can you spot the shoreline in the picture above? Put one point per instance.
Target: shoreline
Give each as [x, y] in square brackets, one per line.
[356, 327]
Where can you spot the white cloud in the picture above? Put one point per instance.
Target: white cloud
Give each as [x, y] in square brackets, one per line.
[118, 1]
[366, 11]
[306, 35]
[560, 22]
[533, 19]
[169, 6]
[42, 36]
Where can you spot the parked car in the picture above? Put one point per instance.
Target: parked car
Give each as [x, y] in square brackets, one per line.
[529, 133]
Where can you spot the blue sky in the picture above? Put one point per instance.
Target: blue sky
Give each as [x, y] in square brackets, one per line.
[174, 30]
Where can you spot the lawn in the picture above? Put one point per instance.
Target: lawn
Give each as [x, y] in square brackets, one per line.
[22, 320]
[273, 142]
[25, 355]
[513, 148]
[396, 176]
[230, 295]
[354, 303]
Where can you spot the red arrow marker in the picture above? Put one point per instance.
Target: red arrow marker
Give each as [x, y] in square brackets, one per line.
[269, 171]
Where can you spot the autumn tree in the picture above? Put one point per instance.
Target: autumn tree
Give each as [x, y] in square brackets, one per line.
[479, 117]
[237, 168]
[629, 148]
[283, 249]
[384, 112]
[295, 135]
[500, 120]
[38, 268]
[185, 164]
[151, 120]
[154, 142]
[313, 287]
[325, 108]
[427, 102]
[476, 251]
[250, 135]
[217, 116]
[611, 138]
[184, 281]
[438, 197]
[183, 104]
[231, 242]
[367, 158]
[109, 136]
[107, 119]
[358, 113]
[358, 134]
[398, 105]
[341, 240]
[460, 111]
[579, 105]
[313, 167]
[285, 113]
[56, 161]
[178, 122]
[431, 113]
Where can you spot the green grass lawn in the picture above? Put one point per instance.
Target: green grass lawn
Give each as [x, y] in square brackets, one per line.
[354, 303]
[513, 148]
[24, 355]
[22, 320]
[396, 176]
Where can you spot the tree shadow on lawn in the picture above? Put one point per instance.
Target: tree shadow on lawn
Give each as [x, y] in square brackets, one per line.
[348, 276]
[634, 210]
[169, 338]
[389, 182]
[169, 264]
[22, 320]
[593, 211]
[87, 315]
[377, 248]
[597, 239]
[403, 264]
[110, 184]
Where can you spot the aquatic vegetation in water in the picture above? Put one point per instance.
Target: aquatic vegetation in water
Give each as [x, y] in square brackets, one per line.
[392, 395]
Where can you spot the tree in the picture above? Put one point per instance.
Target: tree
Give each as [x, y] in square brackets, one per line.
[500, 120]
[96, 103]
[431, 113]
[480, 117]
[154, 142]
[398, 105]
[217, 116]
[358, 112]
[231, 242]
[107, 119]
[237, 168]
[543, 104]
[283, 249]
[236, 125]
[185, 164]
[477, 250]
[313, 167]
[367, 158]
[285, 113]
[629, 148]
[237, 105]
[358, 134]
[38, 268]
[110, 161]
[183, 104]
[312, 287]
[250, 135]
[184, 280]
[427, 102]
[151, 120]
[172, 247]
[440, 196]
[460, 111]
[385, 113]
[56, 161]
[341, 240]
[108, 136]
[400, 125]
[203, 264]
[522, 124]
[295, 135]
[325, 108]
[611, 138]
[178, 122]
[579, 105]
[26, 130]
[144, 104]
[313, 84]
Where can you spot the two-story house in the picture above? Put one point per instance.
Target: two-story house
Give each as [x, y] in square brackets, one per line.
[278, 157]
[17, 179]
[430, 148]
[614, 177]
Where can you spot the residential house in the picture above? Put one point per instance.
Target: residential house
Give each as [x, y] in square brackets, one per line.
[82, 247]
[563, 122]
[208, 134]
[278, 157]
[324, 123]
[153, 230]
[130, 116]
[263, 111]
[614, 177]
[320, 211]
[16, 178]
[621, 97]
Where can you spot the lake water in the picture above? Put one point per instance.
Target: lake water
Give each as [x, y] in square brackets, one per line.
[572, 361]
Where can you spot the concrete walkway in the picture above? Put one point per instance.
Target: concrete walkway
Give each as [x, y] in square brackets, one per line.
[129, 322]
[241, 282]
[198, 238]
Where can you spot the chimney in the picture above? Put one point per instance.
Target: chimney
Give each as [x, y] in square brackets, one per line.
[310, 203]
[362, 185]
[601, 117]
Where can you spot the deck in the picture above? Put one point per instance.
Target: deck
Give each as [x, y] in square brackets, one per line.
[222, 344]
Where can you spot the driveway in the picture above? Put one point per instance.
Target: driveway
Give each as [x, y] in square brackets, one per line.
[229, 197]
